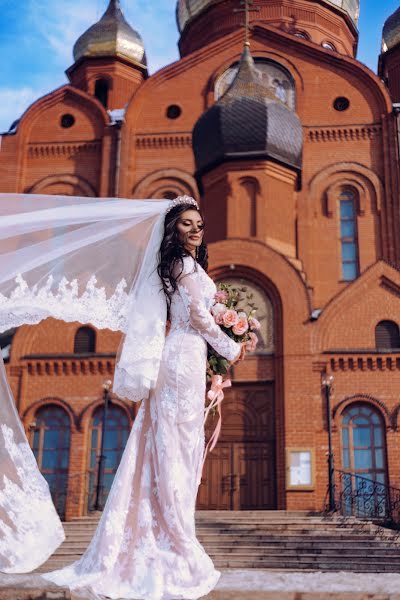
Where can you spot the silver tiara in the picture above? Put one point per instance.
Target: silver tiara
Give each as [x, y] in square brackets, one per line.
[181, 200]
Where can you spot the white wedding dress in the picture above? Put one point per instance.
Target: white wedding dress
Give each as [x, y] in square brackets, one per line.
[145, 546]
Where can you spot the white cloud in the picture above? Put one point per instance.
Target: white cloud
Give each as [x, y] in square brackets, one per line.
[61, 23]
[52, 28]
[13, 102]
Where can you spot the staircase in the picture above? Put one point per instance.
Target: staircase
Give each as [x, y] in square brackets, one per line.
[274, 540]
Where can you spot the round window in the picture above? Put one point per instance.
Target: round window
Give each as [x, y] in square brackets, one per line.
[341, 103]
[174, 111]
[67, 121]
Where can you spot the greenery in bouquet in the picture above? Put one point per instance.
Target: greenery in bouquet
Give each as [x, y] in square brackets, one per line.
[234, 311]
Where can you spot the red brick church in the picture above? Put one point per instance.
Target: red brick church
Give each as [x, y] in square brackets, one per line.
[292, 149]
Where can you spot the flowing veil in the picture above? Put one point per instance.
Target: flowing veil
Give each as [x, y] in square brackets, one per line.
[91, 260]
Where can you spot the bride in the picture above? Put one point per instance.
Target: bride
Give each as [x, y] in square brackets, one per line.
[145, 546]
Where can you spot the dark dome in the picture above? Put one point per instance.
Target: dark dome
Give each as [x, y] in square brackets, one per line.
[249, 121]
[391, 31]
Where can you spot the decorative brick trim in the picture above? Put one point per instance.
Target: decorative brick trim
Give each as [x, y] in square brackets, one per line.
[162, 141]
[319, 366]
[343, 134]
[71, 367]
[365, 362]
[390, 286]
[39, 150]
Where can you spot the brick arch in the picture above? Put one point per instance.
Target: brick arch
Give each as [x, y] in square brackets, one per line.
[325, 184]
[395, 417]
[87, 413]
[271, 55]
[57, 96]
[76, 182]
[30, 412]
[347, 297]
[265, 285]
[166, 179]
[250, 179]
[96, 77]
[380, 407]
[273, 273]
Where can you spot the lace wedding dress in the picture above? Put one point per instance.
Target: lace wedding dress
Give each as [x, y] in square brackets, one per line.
[145, 546]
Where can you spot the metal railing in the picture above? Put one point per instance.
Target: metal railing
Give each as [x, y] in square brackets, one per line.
[364, 498]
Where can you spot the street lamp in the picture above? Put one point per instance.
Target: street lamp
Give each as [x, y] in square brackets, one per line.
[98, 505]
[327, 385]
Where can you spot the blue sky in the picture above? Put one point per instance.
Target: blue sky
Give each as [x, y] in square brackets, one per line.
[36, 39]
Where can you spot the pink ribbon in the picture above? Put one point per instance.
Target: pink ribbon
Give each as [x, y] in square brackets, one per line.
[215, 395]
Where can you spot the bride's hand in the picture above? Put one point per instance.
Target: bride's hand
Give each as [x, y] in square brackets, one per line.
[241, 354]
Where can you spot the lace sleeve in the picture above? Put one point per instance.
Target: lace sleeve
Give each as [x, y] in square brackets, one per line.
[200, 318]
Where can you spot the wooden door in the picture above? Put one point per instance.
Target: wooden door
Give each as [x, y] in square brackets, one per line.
[214, 491]
[240, 472]
[255, 487]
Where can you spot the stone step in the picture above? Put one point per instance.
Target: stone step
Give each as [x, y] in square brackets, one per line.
[273, 541]
[257, 536]
[351, 549]
[273, 564]
[270, 552]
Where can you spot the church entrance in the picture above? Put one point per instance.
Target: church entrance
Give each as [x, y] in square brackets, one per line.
[240, 472]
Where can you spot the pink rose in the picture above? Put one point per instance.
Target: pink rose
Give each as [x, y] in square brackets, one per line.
[254, 324]
[252, 343]
[242, 325]
[219, 319]
[218, 309]
[222, 296]
[230, 317]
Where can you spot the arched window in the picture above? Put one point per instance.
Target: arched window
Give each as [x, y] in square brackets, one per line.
[85, 340]
[265, 312]
[169, 195]
[348, 235]
[116, 436]
[101, 91]
[50, 440]
[387, 336]
[363, 456]
[272, 74]
[329, 46]
[302, 34]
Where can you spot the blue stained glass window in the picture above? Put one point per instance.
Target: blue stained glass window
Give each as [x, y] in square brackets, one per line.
[348, 235]
[116, 436]
[362, 436]
[364, 459]
[349, 252]
[50, 445]
[345, 438]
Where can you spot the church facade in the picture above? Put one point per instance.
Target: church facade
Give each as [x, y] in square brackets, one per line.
[291, 147]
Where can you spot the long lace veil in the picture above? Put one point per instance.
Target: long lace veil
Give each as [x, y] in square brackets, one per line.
[90, 260]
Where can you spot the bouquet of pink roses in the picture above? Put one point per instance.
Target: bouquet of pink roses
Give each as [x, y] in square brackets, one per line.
[234, 312]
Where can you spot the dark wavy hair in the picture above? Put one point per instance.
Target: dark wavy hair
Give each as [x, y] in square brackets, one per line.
[172, 251]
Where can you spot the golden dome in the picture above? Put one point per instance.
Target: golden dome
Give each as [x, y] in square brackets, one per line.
[111, 36]
[391, 31]
[186, 10]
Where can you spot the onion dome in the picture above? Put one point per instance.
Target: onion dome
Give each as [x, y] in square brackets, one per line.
[186, 10]
[391, 31]
[111, 36]
[247, 122]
